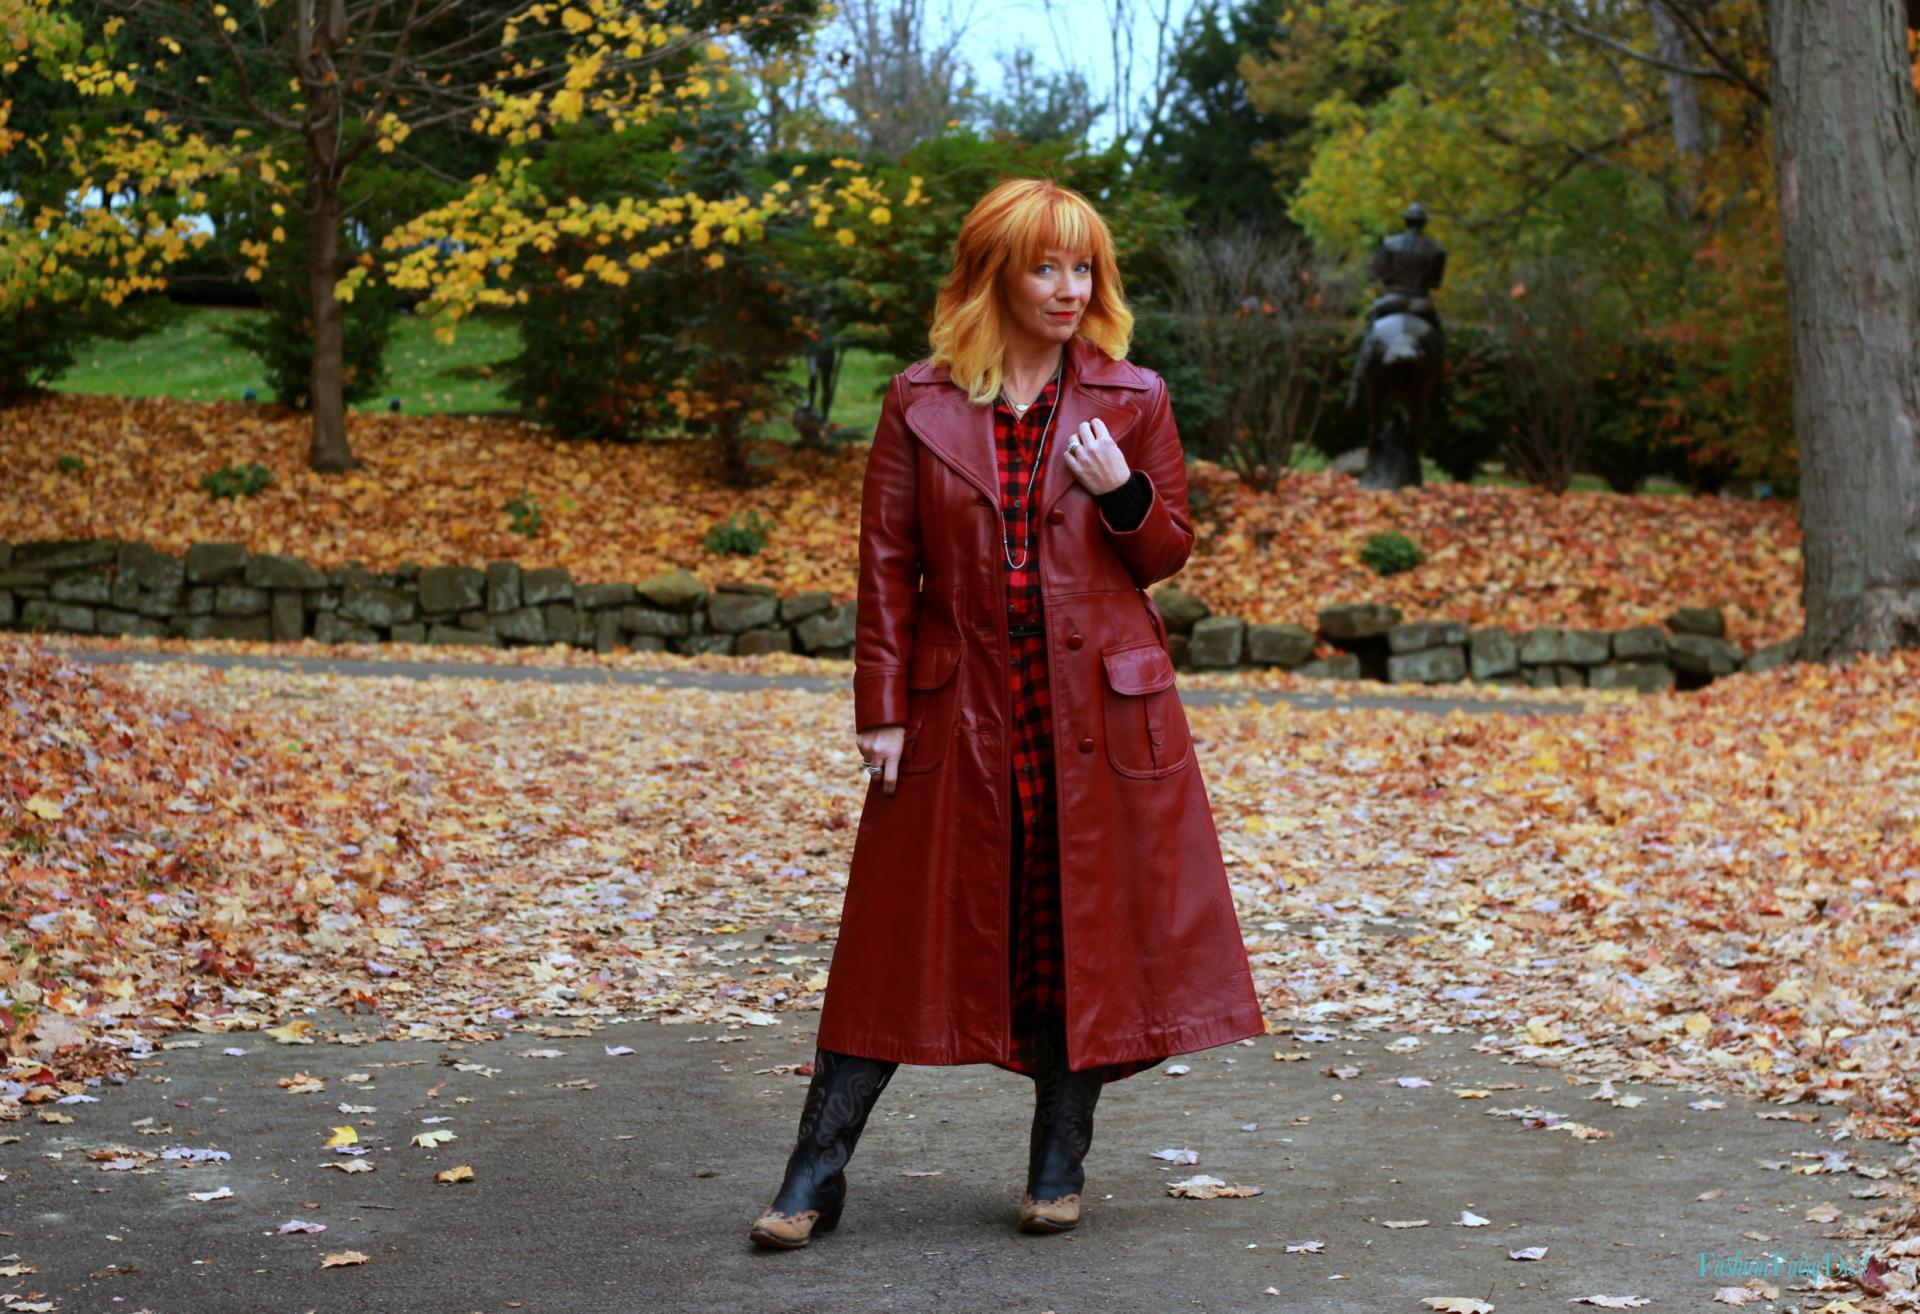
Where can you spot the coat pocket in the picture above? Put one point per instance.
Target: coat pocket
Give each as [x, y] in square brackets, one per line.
[1146, 727]
[931, 694]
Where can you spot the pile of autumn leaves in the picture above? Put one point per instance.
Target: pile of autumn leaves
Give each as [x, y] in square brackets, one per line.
[434, 491]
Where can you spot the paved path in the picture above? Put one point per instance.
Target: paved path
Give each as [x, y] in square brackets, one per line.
[625, 1184]
[1434, 704]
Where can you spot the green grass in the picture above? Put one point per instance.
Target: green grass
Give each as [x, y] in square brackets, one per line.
[190, 360]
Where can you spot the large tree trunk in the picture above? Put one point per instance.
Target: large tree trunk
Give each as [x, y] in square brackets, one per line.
[1683, 93]
[1847, 150]
[313, 48]
[329, 452]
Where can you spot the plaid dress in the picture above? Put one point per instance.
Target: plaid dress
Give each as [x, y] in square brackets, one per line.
[1036, 964]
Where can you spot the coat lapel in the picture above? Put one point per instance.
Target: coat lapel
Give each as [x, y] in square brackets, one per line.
[961, 434]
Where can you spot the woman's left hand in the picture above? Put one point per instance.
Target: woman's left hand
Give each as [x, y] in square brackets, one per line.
[1095, 460]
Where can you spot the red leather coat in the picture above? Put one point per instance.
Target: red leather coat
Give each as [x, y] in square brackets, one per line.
[1154, 960]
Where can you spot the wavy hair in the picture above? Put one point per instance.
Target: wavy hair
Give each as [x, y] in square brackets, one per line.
[1007, 228]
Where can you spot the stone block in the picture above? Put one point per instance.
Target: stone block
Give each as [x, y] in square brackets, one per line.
[527, 625]
[199, 601]
[647, 643]
[153, 570]
[548, 584]
[674, 590]
[6, 555]
[1567, 676]
[1557, 647]
[124, 595]
[411, 632]
[94, 588]
[324, 600]
[1341, 666]
[66, 617]
[503, 586]
[1647, 677]
[755, 643]
[377, 606]
[802, 605]
[453, 634]
[1774, 655]
[215, 563]
[7, 612]
[1709, 622]
[735, 613]
[1642, 643]
[1285, 646]
[661, 624]
[1492, 654]
[1700, 654]
[160, 604]
[830, 629]
[335, 627]
[1180, 609]
[240, 600]
[288, 616]
[1215, 642]
[1177, 650]
[593, 597]
[267, 570]
[250, 629]
[563, 622]
[24, 579]
[1357, 621]
[699, 643]
[354, 576]
[450, 589]
[1417, 635]
[1428, 666]
[606, 629]
[65, 554]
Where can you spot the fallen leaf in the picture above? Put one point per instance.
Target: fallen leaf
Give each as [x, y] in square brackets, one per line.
[223, 1193]
[463, 1173]
[1457, 1305]
[299, 1225]
[342, 1258]
[1204, 1187]
[351, 1166]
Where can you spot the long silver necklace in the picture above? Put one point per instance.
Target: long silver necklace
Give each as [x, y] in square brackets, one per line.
[1026, 502]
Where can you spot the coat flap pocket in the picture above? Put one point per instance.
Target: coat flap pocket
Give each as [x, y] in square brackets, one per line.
[1138, 668]
[932, 665]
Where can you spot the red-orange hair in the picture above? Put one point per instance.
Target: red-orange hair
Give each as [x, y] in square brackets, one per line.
[1009, 227]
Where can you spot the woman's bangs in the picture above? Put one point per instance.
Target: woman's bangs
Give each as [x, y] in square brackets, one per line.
[1061, 225]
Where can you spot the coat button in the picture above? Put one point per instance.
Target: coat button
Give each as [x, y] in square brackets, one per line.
[1074, 641]
[1086, 745]
[1056, 517]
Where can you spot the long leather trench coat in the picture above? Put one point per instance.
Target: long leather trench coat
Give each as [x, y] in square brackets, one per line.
[1154, 960]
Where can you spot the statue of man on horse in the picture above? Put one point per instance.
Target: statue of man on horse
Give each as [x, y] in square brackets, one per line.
[1403, 355]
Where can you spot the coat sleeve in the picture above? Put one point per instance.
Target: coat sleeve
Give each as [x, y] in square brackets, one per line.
[1158, 546]
[889, 586]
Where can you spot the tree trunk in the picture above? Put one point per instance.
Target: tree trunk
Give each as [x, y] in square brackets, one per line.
[1847, 151]
[329, 452]
[313, 50]
[1683, 93]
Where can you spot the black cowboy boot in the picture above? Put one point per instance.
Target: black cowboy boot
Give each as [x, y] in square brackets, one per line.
[839, 1099]
[1062, 1133]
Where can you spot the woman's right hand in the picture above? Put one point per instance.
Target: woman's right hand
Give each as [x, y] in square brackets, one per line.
[882, 745]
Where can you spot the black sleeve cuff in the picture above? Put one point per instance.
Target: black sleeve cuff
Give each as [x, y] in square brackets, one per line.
[1126, 506]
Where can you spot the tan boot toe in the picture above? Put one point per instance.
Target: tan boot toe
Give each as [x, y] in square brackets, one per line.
[1049, 1215]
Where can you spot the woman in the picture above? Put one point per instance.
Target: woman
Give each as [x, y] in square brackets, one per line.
[1062, 915]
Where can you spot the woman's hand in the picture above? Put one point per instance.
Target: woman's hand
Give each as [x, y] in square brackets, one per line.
[1096, 462]
[882, 745]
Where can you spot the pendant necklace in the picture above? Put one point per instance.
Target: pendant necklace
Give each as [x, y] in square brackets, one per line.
[1026, 503]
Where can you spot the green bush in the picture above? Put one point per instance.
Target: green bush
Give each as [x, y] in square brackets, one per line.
[526, 515]
[71, 465]
[1389, 554]
[237, 480]
[739, 538]
[282, 337]
[41, 335]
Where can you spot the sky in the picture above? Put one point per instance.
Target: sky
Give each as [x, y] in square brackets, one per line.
[1063, 35]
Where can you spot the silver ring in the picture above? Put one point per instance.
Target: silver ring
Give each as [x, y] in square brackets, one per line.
[874, 768]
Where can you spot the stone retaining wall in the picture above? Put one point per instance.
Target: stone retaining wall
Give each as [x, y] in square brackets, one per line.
[221, 591]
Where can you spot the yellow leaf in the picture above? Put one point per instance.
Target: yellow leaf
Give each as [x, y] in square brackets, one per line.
[343, 1136]
[464, 1173]
[1699, 1024]
[45, 809]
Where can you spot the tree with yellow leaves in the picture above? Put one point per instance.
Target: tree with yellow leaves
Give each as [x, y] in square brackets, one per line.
[309, 88]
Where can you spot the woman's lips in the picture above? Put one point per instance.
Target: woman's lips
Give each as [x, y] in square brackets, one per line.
[1064, 316]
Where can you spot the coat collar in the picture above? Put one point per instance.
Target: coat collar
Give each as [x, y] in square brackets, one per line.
[961, 434]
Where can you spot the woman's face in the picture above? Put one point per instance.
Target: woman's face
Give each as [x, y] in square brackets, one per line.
[1048, 296]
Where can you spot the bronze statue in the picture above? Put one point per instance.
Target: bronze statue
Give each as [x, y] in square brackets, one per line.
[1403, 355]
